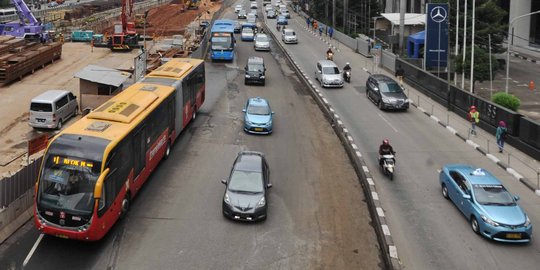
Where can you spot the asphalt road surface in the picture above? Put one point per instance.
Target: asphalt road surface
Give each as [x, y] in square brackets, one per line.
[317, 215]
[430, 233]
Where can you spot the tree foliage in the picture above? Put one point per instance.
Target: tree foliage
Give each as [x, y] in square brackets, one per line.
[481, 64]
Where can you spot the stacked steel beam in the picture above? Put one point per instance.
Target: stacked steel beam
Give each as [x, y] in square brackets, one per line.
[19, 58]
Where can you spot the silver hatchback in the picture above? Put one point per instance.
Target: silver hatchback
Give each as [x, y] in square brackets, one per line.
[328, 74]
[262, 43]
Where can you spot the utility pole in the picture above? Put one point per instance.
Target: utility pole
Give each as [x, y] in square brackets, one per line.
[457, 41]
[472, 47]
[326, 9]
[334, 14]
[345, 13]
[490, 69]
[402, 6]
[464, 47]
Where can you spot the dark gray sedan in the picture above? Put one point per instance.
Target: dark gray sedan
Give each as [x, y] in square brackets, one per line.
[386, 93]
[246, 194]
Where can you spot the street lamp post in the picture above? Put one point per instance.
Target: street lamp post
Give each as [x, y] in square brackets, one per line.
[509, 44]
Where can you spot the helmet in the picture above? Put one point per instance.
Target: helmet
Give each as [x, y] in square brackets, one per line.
[385, 142]
[502, 124]
[347, 63]
[473, 107]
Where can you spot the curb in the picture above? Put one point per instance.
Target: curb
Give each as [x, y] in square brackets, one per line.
[528, 183]
[526, 58]
[387, 247]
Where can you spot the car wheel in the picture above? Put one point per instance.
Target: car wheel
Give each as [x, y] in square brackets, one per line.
[125, 206]
[474, 225]
[59, 125]
[167, 151]
[380, 104]
[367, 93]
[445, 191]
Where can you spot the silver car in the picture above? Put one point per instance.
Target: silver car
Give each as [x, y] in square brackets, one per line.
[262, 43]
[328, 74]
[52, 108]
[288, 36]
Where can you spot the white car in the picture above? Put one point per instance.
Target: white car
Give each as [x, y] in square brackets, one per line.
[254, 13]
[237, 8]
[286, 14]
[289, 36]
[247, 34]
[262, 43]
[253, 5]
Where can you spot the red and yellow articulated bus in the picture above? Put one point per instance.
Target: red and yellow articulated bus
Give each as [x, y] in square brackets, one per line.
[92, 169]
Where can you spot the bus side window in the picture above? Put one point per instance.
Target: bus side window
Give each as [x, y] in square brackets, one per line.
[120, 165]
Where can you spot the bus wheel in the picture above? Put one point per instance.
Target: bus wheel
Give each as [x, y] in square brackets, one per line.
[167, 151]
[125, 206]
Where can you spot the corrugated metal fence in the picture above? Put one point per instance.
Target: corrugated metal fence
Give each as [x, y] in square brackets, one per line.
[16, 185]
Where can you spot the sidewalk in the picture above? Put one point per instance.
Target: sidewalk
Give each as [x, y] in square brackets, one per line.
[515, 162]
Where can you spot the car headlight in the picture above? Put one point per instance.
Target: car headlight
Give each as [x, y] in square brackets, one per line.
[247, 76]
[262, 202]
[249, 123]
[527, 222]
[227, 200]
[262, 76]
[386, 100]
[489, 221]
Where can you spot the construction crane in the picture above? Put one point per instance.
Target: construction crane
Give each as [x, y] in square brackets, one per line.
[28, 27]
[124, 37]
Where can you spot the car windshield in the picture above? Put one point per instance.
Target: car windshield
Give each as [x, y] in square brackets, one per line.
[222, 43]
[493, 195]
[246, 181]
[247, 30]
[242, 12]
[262, 38]
[330, 70]
[258, 110]
[67, 183]
[290, 33]
[281, 17]
[390, 88]
[255, 67]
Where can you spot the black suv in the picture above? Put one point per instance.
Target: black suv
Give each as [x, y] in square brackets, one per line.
[246, 194]
[255, 70]
[386, 93]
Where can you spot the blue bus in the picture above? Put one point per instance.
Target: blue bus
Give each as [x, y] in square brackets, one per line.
[222, 40]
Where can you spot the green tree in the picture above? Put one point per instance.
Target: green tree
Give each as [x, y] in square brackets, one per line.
[481, 64]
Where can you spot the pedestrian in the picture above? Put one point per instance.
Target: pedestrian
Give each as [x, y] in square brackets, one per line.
[320, 30]
[399, 74]
[474, 117]
[330, 31]
[326, 30]
[308, 21]
[315, 25]
[501, 134]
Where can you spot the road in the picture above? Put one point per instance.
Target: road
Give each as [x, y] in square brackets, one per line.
[317, 215]
[429, 231]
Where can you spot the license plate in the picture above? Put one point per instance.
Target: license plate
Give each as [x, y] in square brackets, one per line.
[62, 236]
[513, 235]
[258, 129]
[40, 120]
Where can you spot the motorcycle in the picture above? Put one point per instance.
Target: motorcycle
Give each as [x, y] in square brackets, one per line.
[330, 56]
[347, 76]
[388, 165]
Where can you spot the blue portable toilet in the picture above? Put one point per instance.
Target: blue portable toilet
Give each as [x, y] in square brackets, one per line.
[415, 43]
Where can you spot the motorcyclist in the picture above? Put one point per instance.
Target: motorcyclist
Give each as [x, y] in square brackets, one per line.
[385, 149]
[329, 53]
[346, 68]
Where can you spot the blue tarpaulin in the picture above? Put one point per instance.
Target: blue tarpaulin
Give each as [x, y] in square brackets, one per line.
[415, 43]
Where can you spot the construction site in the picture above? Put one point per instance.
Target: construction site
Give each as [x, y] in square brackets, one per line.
[51, 58]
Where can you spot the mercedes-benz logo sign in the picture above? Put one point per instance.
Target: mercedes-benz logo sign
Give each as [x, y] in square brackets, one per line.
[438, 14]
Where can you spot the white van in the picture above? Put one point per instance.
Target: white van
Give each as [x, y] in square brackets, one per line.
[52, 108]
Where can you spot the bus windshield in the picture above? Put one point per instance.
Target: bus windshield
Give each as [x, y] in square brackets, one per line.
[222, 42]
[69, 175]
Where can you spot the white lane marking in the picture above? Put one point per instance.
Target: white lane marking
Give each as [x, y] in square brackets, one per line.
[354, 147]
[27, 259]
[493, 158]
[375, 196]
[380, 212]
[434, 118]
[537, 192]
[370, 181]
[388, 122]
[472, 143]
[350, 138]
[385, 229]
[514, 173]
[451, 129]
[393, 251]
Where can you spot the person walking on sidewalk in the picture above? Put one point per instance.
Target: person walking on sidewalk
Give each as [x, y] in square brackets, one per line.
[320, 30]
[500, 135]
[399, 74]
[330, 31]
[308, 22]
[315, 25]
[474, 117]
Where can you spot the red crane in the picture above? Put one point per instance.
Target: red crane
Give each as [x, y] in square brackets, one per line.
[124, 37]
